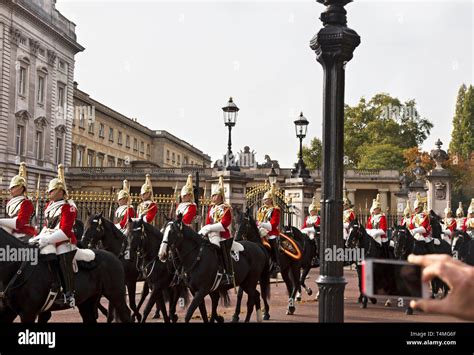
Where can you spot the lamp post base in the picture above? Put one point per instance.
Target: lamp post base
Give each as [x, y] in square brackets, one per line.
[331, 299]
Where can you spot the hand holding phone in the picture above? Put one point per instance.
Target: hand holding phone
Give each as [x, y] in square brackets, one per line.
[382, 277]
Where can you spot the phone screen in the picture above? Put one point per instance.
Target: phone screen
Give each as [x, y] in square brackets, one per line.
[400, 280]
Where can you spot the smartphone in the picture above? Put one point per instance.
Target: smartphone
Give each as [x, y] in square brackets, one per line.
[397, 278]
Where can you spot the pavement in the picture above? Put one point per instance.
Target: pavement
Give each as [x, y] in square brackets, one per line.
[306, 309]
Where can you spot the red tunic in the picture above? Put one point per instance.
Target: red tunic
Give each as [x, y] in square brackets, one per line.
[461, 224]
[450, 223]
[317, 223]
[129, 213]
[188, 210]
[423, 221]
[151, 211]
[220, 213]
[275, 222]
[66, 222]
[405, 222]
[23, 215]
[382, 223]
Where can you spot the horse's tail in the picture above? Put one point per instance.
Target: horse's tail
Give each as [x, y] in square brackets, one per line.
[265, 281]
[224, 296]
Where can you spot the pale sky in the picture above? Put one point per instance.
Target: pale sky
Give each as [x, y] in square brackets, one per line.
[174, 64]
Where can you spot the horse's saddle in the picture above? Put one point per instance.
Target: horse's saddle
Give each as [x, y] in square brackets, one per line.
[288, 246]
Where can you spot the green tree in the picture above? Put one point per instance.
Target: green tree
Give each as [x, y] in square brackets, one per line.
[381, 156]
[386, 122]
[456, 134]
[467, 124]
[312, 154]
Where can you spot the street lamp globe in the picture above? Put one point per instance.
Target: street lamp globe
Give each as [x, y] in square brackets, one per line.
[301, 126]
[230, 113]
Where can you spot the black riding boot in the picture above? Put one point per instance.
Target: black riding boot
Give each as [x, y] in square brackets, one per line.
[228, 278]
[67, 277]
[314, 260]
[275, 255]
[386, 250]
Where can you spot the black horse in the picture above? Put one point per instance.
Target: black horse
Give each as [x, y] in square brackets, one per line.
[247, 230]
[145, 243]
[309, 260]
[102, 233]
[289, 267]
[200, 261]
[463, 247]
[26, 286]
[359, 238]
[406, 244]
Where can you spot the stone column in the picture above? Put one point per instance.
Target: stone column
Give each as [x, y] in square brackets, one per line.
[439, 182]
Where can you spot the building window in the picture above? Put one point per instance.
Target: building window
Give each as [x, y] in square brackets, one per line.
[39, 145]
[59, 150]
[119, 162]
[119, 138]
[135, 145]
[100, 160]
[62, 65]
[142, 147]
[127, 142]
[61, 97]
[167, 155]
[111, 134]
[111, 162]
[148, 152]
[22, 81]
[173, 160]
[79, 156]
[82, 119]
[91, 126]
[40, 89]
[179, 160]
[90, 159]
[20, 140]
[101, 130]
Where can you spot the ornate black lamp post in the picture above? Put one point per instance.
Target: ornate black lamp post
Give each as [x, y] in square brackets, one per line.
[301, 127]
[272, 176]
[334, 46]
[230, 119]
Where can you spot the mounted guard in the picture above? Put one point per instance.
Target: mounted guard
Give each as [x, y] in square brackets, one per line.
[20, 208]
[420, 224]
[406, 216]
[376, 225]
[125, 209]
[147, 209]
[268, 221]
[460, 219]
[311, 221]
[470, 219]
[57, 236]
[348, 214]
[218, 221]
[449, 224]
[187, 208]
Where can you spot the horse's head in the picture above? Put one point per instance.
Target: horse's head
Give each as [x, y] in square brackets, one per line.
[459, 242]
[135, 233]
[173, 236]
[355, 234]
[400, 241]
[247, 229]
[94, 231]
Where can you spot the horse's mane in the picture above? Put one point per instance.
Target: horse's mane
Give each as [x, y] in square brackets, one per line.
[9, 239]
[151, 229]
[297, 235]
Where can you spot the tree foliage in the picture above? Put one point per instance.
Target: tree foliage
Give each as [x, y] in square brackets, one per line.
[312, 154]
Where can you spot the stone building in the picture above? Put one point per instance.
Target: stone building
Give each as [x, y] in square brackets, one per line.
[37, 49]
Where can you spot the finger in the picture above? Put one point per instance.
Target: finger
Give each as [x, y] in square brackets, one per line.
[432, 306]
[425, 260]
[445, 271]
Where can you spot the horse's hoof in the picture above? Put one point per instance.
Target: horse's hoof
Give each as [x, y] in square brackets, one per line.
[220, 319]
[363, 305]
[139, 317]
[359, 300]
[235, 319]
[290, 311]
[409, 311]
[388, 303]
[310, 292]
[298, 298]
[156, 315]
[373, 300]
[174, 318]
[266, 316]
